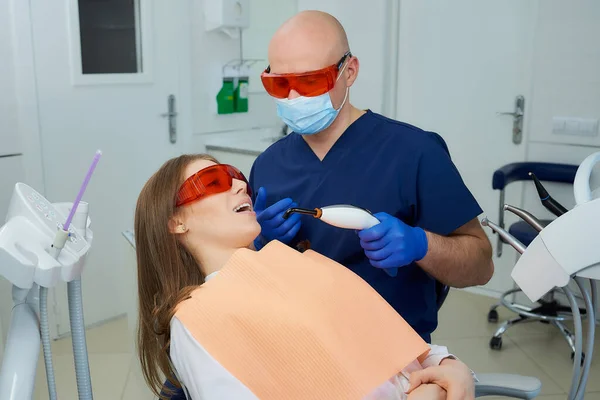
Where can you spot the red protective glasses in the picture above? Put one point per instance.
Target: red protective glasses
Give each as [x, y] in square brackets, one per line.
[210, 180]
[308, 84]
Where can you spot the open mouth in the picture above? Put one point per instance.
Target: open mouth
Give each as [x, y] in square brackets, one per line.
[244, 207]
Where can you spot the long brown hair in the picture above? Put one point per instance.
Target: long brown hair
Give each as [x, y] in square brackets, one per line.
[167, 272]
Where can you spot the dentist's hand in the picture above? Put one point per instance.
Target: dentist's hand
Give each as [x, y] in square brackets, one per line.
[272, 224]
[392, 243]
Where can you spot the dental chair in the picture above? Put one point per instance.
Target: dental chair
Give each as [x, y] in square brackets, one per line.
[549, 310]
[507, 385]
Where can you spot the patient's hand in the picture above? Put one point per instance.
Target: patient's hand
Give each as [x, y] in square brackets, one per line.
[451, 375]
[427, 392]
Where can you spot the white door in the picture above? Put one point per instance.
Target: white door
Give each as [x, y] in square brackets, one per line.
[104, 72]
[461, 62]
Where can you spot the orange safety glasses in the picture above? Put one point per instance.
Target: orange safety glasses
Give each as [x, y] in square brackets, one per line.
[307, 84]
[210, 180]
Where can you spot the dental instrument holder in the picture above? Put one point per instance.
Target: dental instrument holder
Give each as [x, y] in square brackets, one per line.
[31, 226]
[557, 255]
[345, 217]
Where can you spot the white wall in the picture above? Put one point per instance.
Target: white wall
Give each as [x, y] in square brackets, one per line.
[566, 82]
[9, 144]
[9, 138]
[212, 50]
[566, 78]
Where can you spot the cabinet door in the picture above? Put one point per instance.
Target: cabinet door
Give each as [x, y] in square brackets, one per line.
[7, 183]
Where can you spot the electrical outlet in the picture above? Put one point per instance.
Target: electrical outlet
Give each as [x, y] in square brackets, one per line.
[575, 126]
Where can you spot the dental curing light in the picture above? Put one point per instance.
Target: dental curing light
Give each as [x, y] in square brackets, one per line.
[36, 253]
[345, 217]
[567, 249]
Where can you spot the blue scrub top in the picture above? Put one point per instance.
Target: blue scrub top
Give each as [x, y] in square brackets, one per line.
[381, 165]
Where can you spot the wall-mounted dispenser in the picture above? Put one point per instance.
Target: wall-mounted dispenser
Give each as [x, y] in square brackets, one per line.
[233, 96]
[229, 16]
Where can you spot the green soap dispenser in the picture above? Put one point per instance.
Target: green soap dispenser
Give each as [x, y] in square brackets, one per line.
[225, 97]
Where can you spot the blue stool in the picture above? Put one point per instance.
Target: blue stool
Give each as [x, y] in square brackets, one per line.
[549, 311]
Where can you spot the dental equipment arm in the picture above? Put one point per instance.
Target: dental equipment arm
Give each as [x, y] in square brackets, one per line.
[566, 248]
[581, 186]
[82, 369]
[525, 216]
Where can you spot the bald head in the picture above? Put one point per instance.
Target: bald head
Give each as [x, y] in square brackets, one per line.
[310, 40]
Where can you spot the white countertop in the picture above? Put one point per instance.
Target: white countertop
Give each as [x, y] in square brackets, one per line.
[252, 141]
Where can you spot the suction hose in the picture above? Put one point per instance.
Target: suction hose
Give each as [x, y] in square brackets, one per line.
[591, 319]
[578, 339]
[80, 354]
[59, 241]
[45, 333]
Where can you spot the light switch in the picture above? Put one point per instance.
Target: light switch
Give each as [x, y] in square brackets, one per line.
[575, 126]
[572, 126]
[558, 124]
[589, 127]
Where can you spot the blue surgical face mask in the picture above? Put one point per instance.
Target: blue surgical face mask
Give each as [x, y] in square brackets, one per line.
[309, 115]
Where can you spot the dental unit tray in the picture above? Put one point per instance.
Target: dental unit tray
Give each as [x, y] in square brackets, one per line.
[36, 253]
[345, 217]
[31, 225]
[564, 250]
[557, 254]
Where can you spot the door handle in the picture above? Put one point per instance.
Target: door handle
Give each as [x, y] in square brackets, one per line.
[517, 114]
[172, 115]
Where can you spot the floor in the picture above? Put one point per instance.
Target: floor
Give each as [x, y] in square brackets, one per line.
[532, 349]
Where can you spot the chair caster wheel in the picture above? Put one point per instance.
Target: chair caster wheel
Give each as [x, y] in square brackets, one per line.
[496, 343]
[582, 357]
[493, 316]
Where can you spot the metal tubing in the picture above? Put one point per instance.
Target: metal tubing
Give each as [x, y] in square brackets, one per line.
[22, 351]
[510, 239]
[525, 216]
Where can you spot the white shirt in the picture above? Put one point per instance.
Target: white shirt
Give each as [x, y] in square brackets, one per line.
[205, 379]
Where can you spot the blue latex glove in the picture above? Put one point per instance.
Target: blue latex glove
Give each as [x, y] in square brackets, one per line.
[272, 224]
[392, 244]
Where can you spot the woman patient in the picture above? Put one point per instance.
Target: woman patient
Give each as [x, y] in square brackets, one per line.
[226, 322]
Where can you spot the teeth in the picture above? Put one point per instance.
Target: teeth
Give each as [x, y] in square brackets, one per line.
[242, 206]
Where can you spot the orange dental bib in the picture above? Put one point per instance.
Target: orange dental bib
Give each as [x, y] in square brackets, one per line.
[292, 325]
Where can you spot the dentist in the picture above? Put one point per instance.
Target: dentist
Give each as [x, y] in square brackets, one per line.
[338, 154]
